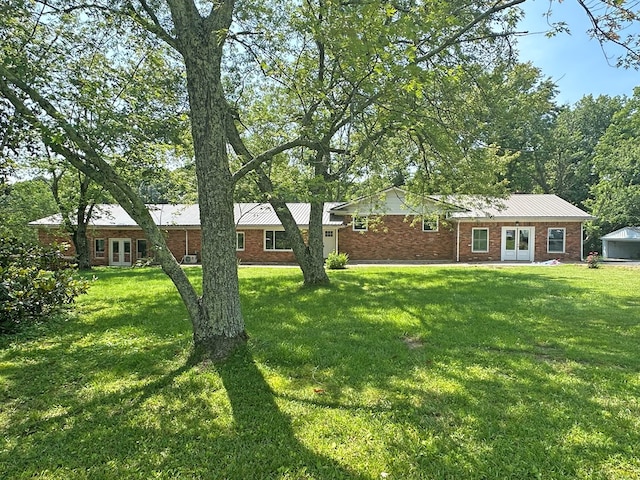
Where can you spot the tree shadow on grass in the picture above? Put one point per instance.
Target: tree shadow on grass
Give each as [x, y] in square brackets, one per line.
[276, 452]
[513, 364]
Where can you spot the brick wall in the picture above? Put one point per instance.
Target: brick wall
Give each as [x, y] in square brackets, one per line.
[395, 238]
[254, 251]
[572, 241]
[50, 236]
[176, 241]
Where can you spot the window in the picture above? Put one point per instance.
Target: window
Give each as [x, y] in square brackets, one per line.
[98, 251]
[555, 240]
[239, 240]
[360, 224]
[328, 233]
[141, 249]
[276, 240]
[480, 240]
[430, 224]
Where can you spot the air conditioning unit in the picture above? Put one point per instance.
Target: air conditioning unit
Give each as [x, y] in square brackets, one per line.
[189, 259]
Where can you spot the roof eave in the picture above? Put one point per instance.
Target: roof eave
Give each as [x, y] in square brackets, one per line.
[497, 218]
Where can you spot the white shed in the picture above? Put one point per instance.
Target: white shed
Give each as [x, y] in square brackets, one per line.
[623, 243]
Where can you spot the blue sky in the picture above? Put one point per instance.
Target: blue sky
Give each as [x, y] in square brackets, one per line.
[576, 63]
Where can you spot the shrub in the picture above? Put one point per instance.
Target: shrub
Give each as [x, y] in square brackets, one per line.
[593, 259]
[34, 281]
[337, 260]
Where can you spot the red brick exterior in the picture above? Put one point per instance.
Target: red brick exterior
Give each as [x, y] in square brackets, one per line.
[254, 251]
[395, 238]
[176, 241]
[573, 243]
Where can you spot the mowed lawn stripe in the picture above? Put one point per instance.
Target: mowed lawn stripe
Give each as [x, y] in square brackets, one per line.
[416, 372]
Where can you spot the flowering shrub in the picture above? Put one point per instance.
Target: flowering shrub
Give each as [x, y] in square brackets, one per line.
[593, 259]
[34, 281]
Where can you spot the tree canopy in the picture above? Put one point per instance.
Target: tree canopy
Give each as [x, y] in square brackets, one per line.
[324, 85]
[616, 195]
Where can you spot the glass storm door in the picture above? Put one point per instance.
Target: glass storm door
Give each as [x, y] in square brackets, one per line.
[517, 244]
[120, 252]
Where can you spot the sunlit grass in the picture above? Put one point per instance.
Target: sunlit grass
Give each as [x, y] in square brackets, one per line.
[421, 372]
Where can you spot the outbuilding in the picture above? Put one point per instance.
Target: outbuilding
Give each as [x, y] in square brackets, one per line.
[622, 244]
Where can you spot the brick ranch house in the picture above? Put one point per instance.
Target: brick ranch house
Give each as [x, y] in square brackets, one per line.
[382, 227]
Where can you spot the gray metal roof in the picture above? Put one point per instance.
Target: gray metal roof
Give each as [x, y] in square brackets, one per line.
[516, 207]
[519, 206]
[630, 234]
[245, 214]
[262, 214]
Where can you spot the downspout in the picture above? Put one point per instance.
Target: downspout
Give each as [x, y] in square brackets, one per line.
[186, 242]
[458, 242]
[582, 241]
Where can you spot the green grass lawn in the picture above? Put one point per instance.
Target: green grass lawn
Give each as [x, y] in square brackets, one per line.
[399, 373]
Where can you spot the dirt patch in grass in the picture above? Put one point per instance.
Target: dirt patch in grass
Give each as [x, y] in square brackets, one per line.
[413, 343]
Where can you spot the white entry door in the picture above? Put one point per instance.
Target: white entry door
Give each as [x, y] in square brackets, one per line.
[120, 252]
[517, 244]
[329, 240]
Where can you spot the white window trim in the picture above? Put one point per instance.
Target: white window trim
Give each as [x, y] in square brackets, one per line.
[274, 249]
[138, 240]
[433, 229]
[364, 220]
[244, 240]
[103, 253]
[564, 239]
[473, 230]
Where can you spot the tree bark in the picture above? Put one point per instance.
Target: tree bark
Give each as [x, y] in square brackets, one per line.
[81, 242]
[220, 327]
[308, 255]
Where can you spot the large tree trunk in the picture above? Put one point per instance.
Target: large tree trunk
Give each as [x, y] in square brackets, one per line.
[217, 321]
[221, 326]
[308, 255]
[315, 274]
[81, 242]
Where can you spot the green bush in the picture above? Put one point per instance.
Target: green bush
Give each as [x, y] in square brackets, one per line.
[34, 281]
[336, 261]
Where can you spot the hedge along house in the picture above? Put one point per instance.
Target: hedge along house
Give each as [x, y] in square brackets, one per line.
[386, 226]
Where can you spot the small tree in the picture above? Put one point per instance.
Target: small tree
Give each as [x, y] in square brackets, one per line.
[34, 282]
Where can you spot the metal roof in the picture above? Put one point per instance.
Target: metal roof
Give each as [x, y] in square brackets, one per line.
[262, 214]
[518, 206]
[181, 215]
[630, 234]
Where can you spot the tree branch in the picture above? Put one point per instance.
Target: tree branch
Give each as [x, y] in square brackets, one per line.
[614, 38]
[153, 26]
[252, 162]
[455, 38]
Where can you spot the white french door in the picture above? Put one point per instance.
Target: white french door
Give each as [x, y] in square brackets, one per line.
[120, 252]
[517, 244]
